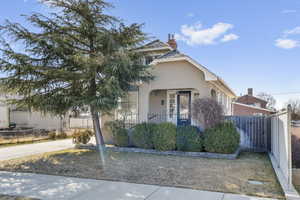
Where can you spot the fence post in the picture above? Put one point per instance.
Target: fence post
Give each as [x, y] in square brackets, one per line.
[289, 133]
[278, 147]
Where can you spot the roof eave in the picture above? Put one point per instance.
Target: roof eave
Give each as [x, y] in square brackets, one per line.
[153, 49]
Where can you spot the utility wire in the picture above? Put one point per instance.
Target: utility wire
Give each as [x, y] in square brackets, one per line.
[285, 93]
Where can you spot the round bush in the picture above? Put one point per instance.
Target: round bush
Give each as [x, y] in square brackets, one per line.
[164, 138]
[142, 135]
[189, 139]
[119, 133]
[223, 138]
[120, 137]
[82, 136]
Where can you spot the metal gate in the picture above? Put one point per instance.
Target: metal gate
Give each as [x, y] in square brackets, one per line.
[254, 132]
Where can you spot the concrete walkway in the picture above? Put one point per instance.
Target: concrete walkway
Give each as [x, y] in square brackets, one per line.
[18, 151]
[58, 187]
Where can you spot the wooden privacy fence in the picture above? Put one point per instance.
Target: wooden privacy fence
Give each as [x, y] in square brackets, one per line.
[254, 132]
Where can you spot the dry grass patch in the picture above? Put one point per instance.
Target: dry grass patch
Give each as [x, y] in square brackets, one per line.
[221, 175]
[8, 197]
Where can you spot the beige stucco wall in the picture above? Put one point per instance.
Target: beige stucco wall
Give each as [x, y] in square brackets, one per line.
[155, 101]
[172, 75]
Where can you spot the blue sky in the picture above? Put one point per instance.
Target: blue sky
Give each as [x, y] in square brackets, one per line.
[250, 43]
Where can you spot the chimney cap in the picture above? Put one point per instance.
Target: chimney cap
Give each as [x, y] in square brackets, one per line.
[171, 41]
[250, 91]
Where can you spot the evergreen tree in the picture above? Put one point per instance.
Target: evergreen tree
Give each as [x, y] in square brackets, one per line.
[77, 56]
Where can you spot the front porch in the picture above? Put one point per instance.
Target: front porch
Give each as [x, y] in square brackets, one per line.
[165, 105]
[172, 105]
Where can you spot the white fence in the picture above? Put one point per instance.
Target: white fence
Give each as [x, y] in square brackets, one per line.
[36, 119]
[281, 152]
[81, 123]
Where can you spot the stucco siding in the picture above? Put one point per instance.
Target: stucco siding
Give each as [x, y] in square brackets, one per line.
[172, 75]
[155, 103]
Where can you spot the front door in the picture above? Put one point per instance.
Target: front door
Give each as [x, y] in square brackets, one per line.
[184, 108]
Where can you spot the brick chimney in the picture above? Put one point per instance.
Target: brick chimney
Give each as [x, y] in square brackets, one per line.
[171, 41]
[250, 91]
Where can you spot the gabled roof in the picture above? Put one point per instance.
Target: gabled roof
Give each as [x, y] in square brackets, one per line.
[254, 107]
[251, 97]
[171, 54]
[175, 55]
[155, 45]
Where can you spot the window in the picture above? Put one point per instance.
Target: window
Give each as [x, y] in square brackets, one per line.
[149, 59]
[196, 95]
[225, 101]
[213, 94]
[229, 105]
[128, 107]
[172, 105]
[221, 98]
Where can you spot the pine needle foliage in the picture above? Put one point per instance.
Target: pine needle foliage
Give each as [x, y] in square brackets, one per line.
[77, 56]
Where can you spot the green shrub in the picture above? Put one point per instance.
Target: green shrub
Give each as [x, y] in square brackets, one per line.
[52, 135]
[61, 135]
[82, 136]
[119, 133]
[189, 139]
[164, 138]
[142, 135]
[223, 138]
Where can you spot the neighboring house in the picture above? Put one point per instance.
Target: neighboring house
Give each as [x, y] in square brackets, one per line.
[178, 81]
[34, 119]
[250, 105]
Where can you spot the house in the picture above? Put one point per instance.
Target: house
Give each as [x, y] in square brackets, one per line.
[248, 104]
[24, 118]
[179, 80]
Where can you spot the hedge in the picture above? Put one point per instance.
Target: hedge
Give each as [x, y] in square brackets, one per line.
[223, 138]
[189, 139]
[119, 133]
[142, 135]
[164, 138]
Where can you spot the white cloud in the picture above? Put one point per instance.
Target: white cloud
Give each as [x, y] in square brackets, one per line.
[288, 11]
[190, 14]
[293, 31]
[196, 35]
[286, 43]
[229, 37]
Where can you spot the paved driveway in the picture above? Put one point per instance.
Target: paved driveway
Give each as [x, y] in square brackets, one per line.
[7, 153]
[56, 187]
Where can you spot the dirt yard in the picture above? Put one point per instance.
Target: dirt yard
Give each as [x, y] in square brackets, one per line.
[231, 176]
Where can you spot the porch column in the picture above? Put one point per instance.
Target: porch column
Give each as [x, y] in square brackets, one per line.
[143, 104]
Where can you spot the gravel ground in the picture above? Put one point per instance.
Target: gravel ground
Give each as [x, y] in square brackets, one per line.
[221, 175]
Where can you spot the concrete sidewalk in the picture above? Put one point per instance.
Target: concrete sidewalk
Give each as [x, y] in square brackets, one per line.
[58, 187]
[18, 151]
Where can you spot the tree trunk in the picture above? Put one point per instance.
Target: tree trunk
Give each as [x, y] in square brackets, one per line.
[98, 134]
[97, 129]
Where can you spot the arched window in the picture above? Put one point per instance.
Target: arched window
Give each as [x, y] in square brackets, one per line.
[213, 94]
